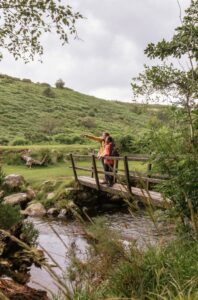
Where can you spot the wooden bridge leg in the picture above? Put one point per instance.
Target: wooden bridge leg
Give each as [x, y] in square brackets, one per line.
[95, 172]
[149, 167]
[115, 171]
[74, 168]
[126, 167]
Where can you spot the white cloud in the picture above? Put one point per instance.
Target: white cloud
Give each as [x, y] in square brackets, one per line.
[114, 36]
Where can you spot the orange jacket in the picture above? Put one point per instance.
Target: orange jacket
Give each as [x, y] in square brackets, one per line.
[107, 152]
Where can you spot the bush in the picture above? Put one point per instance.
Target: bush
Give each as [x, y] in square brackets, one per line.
[126, 144]
[9, 216]
[12, 158]
[29, 234]
[44, 84]
[37, 137]
[60, 84]
[91, 113]
[61, 138]
[88, 122]
[19, 141]
[2, 175]
[48, 92]
[4, 141]
[27, 80]
[68, 140]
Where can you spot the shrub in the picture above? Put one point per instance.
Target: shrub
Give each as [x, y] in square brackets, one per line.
[29, 234]
[4, 141]
[48, 92]
[2, 175]
[126, 144]
[91, 113]
[44, 84]
[60, 84]
[12, 158]
[68, 140]
[61, 138]
[26, 80]
[88, 122]
[37, 137]
[18, 141]
[9, 216]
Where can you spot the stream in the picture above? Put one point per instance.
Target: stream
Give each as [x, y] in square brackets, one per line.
[137, 227]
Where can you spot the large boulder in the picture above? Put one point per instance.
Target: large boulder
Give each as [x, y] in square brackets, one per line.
[30, 193]
[35, 210]
[15, 199]
[13, 182]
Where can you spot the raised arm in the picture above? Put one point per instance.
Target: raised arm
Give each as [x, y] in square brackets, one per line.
[94, 138]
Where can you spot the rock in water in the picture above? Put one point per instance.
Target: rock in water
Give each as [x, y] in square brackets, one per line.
[52, 211]
[13, 182]
[35, 210]
[15, 291]
[15, 199]
[62, 213]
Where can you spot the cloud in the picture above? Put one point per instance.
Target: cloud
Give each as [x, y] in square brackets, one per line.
[111, 50]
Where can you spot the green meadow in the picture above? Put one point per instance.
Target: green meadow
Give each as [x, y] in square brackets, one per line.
[59, 171]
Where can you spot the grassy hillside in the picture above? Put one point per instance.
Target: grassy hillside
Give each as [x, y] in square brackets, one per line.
[27, 113]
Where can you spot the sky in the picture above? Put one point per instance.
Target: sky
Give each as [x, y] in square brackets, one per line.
[110, 51]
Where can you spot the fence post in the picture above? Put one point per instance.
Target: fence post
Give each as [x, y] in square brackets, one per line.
[126, 168]
[149, 167]
[95, 172]
[92, 172]
[115, 170]
[74, 168]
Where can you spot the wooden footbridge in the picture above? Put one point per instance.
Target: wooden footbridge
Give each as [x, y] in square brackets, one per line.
[128, 184]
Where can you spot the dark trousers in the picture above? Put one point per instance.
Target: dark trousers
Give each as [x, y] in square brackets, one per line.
[108, 178]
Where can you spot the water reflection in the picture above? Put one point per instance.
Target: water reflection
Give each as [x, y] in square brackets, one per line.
[137, 227]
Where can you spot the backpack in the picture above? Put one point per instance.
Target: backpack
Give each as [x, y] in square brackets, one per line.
[114, 150]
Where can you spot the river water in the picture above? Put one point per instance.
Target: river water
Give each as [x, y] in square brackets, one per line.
[138, 228]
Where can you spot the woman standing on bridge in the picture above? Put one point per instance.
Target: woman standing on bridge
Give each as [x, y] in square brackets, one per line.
[101, 152]
[108, 163]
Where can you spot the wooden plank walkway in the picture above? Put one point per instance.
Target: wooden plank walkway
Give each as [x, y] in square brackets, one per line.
[146, 197]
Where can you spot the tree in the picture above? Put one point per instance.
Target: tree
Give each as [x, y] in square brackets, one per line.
[60, 84]
[179, 85]
[49, 124]
[23, 22]
[174, 146]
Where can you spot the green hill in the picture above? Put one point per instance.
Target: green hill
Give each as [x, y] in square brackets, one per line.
[37, 113]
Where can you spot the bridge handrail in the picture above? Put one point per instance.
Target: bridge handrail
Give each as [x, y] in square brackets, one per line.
[95, 171]
[130, 158]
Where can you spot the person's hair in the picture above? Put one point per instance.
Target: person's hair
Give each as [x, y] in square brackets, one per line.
[106, 134]
[109, 139]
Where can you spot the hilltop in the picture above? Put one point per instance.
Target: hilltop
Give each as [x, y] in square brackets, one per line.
[37, 113]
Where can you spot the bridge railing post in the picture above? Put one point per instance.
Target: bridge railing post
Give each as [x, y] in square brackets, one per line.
[115, 170]
[95, 172]
[92, 171]
[127, 175]
[149, 167]
[74, 167]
